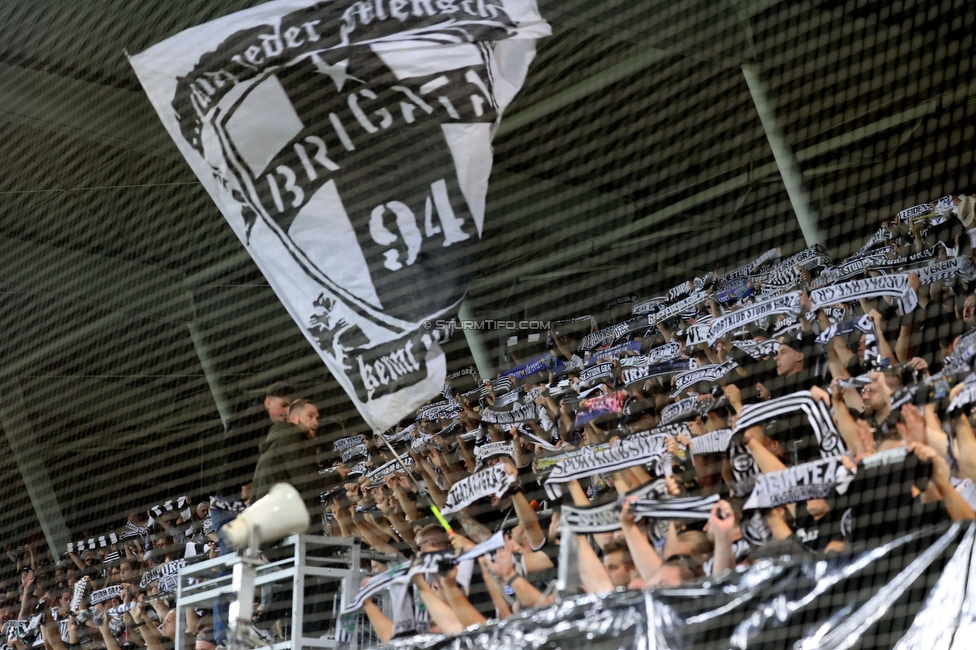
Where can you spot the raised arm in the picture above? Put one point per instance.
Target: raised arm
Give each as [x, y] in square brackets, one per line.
[646, 559]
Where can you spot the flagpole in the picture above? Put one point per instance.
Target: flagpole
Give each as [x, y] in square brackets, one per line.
[433, 507]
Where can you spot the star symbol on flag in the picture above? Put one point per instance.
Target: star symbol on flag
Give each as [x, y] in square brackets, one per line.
[338, 72]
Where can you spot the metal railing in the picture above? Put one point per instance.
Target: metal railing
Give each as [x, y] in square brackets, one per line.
[311, 558]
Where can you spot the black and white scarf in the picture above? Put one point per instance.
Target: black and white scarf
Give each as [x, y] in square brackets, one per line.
[492, 449]
[161, 571]
[863, 324]
[684, 409]
[787, 304]
[439, 410]
[378, 476]
[686, 305]
[674, 508]
[957, 267]
[506, 399]
[108, 593]
[359, 451]
[613, 352]
[669, 352]
[758, 349]
[648, 306]
[595, 374]
[812, 480]
[545, 464]
[630, 376]
[605, 518]
[817, 414]
[181, 503]
[603, 459]
[491, 481]
[889, 285]
[490, 545]
[94, 543]
[697, 334]
[713, 442]
[516, 415]
[352, 441]
[711, 373]
[915, 212]
[622, 300]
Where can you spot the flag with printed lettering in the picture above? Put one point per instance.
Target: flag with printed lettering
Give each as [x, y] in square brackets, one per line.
[348, 145]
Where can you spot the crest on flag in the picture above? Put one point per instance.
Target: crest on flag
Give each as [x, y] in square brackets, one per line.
[348, 144]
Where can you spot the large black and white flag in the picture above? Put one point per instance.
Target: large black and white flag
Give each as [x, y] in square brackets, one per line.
[348, 145]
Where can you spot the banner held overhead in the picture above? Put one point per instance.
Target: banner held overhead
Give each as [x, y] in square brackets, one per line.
[348, 144]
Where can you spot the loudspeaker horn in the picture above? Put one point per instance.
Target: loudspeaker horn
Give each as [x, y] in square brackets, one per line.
[278, 514]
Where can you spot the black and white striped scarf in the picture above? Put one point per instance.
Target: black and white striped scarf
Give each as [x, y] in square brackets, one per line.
[378, 476]
[181, 503]
[674, 508]
[686, 305]
[890, 285]
[817, 414]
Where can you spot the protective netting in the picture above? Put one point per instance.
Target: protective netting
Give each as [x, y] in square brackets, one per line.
[726, 267]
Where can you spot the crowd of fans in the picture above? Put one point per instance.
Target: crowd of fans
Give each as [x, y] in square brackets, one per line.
[749, 413]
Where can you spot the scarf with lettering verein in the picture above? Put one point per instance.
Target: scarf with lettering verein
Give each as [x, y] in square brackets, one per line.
[957, 267]
[896, 286]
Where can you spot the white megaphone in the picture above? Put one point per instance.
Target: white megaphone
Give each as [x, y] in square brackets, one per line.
[278, 514]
